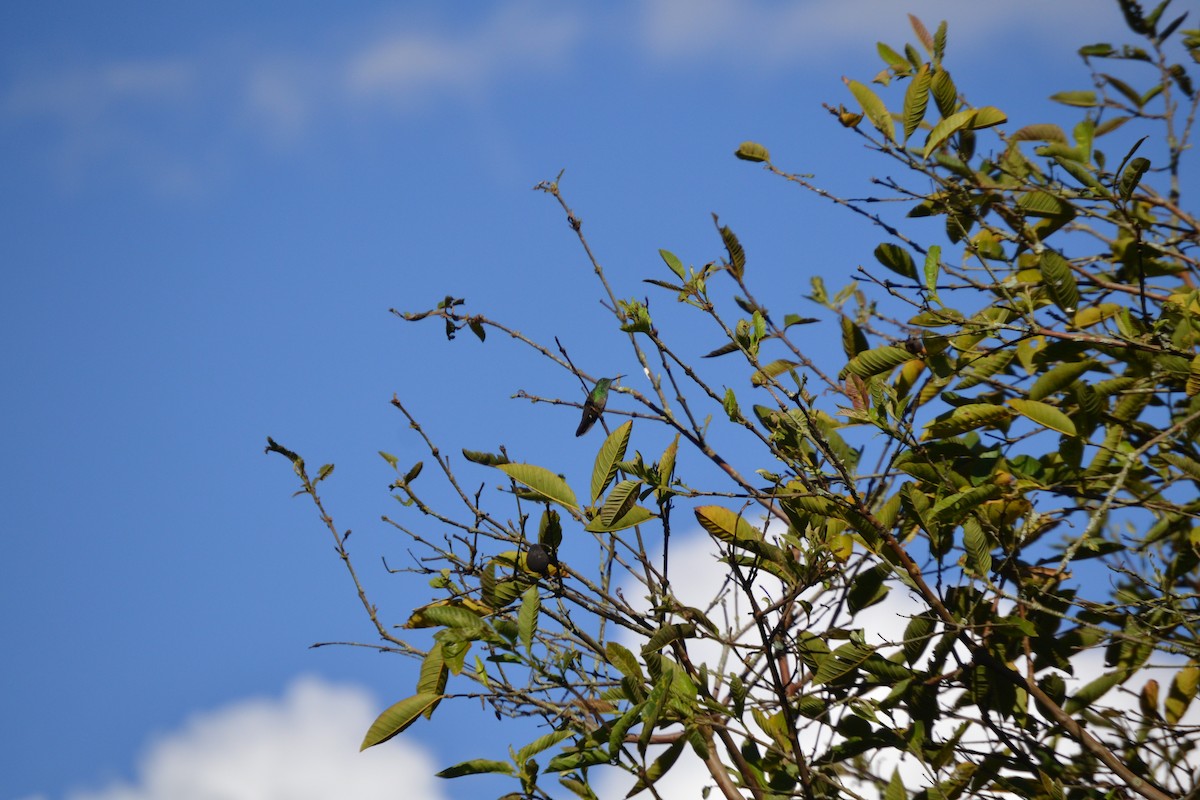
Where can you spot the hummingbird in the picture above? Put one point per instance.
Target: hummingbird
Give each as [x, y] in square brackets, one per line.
[593, 407]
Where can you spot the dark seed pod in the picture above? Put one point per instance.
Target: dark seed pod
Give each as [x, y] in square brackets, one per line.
[538, 559]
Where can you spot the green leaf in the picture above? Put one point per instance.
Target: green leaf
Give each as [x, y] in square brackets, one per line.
[550, 529]
[1044, 204]
[542, 744]
[987, 117]
[667, 634]
[666, 464]
[1079, 99]
[874, 108]
[620, 728]
[727, 525]
[477, 328]
[751, 151]
[951, 510]
[674, 263]
[624, 660]
[1181, 693]
[876, 361]
[527, 617]
[897, 259]
[1132, 176]
[730, 404]
[854, 341]
[916, 100]
[1059, 281]
[1193, 379]
[772, 370]
[967, 418]
[842, 662]
[660, 767]
[737, 256]
[619, 501]
[1059, 378]
[611, 453]
[448, 614]
[971, 119]
[1043, 132]
[543, 482]
[636, 516]
[580, 788]
[939, 42]
[398, 717]
[1094, 690]
[432, 679]
[892, 58]
[979, 549]
[933, 262]
[916, 636]
[868, 588]
[1044, 414]
[945, 93]
[487, 459]
[476, 766]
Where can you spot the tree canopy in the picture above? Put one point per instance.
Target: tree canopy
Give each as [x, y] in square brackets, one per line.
[1005, 453]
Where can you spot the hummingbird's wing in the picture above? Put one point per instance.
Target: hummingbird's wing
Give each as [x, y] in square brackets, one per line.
[590, 415]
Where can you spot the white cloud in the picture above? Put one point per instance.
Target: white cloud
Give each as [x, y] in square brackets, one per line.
[302, 746]
[143, 114]
[697, 575]
[84, 94]
[774, 33]
[406, 64]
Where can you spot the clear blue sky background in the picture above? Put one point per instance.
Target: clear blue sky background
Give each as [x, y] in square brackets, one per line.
[208, 211]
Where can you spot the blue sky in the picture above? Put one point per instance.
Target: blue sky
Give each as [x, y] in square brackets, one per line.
[209, 211]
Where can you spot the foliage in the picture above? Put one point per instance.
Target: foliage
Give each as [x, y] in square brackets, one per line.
[1010, 442]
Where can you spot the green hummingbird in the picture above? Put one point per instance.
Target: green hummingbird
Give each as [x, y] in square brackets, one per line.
[593, 407]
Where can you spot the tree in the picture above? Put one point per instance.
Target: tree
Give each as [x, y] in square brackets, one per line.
[1010, 442]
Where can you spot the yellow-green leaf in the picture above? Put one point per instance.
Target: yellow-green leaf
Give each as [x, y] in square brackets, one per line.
[1080, 99]
[672, 261]
[1043, 132]
[897, 259]
[1193, 379]
[1059, 378]
[1092, 315]
[877, 360]
[752, 151]
[947, 128]
[1182, 692]
[727, 525]
[874, 108]
[916, 100]
[477, 766]
[945, 94]
[1044, 414]
[966, 418]
[1059, 281]
[609, 455]
[660, 767]
[542, 481]
[398, 717]
[636, 516]
[986, 117]
[1094, 690]
[619, 501]
[527, 617]
[432, 679]
[772, 370]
